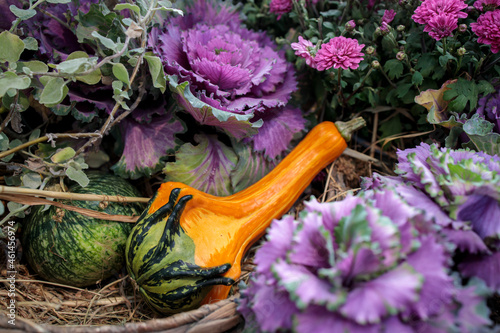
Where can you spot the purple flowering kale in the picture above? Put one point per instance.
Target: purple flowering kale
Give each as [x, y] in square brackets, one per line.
[225, 75]
[370, 263]
[460, 190]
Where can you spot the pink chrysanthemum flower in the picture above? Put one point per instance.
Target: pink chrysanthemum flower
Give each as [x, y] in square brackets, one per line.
[388, 16]
[303, 49]
[339, 52]
[280, 7]
[484, 5]
[487, 28]
[430, 8]
[441, 26]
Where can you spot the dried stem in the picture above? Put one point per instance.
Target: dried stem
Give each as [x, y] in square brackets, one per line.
[69, 196]
[46, 138]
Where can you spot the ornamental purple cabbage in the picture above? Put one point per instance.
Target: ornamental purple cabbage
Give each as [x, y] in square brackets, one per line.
[221, 73]
[460, 190]
[370, 263]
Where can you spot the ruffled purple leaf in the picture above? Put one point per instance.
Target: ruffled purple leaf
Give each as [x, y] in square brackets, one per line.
[145, 144]
[485, 267]
[466, 240]
[251, 167]
[270, 304]
[430, 261]
[278, 244]
[388, 294]
[311, 240]
[319, 320]
[236, 125]
[305, 287]
[279, 128]
[473, 313]
[483, 212]
[206, 166]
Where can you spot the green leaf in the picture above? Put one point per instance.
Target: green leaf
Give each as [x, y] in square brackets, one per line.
[394, 68]
[32, 180]
[54, 92]
[35, 134]
[30, 43]
[417, 78]
[92, 78]
[76, 65]
[478, 126]
[121, 73]
[403, 89]
[58, 1]
[22, 103]
[484, 87]
[34, 66]
[63, 155]
[107, 42]
[77, 175]
[10, 80]
[444, 59]
[16, 208]
[353, 229]
[11, 47]
[130, 6]
[157, 73]
[4, 142]
[463, 92]
[13, 144]
[23, 14]
[426, 64]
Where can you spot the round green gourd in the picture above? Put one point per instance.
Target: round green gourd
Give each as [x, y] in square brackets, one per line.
[78, 250]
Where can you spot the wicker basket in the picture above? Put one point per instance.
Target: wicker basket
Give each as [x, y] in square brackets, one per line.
[218, 317]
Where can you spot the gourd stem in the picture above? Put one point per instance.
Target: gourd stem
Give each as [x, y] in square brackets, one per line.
[347, 128]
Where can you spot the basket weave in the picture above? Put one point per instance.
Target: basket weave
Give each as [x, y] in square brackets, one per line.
[217, 318]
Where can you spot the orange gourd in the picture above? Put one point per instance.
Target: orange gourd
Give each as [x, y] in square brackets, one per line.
[187, 248]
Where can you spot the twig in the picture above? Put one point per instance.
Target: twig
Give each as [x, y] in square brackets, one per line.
[34, 201]
[46, 138]
[68, 196]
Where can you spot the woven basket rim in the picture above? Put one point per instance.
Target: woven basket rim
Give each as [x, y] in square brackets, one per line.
[217, 317]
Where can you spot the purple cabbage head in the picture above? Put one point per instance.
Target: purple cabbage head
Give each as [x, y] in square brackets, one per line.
[370, 263]
[223, 74]
[460, 190]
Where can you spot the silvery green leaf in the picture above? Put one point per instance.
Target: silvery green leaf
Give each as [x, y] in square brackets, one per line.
[77, 65]
[78, 176]
[121, 73]
[4, 142]
[54, 92]
[10, 80]
[16, 209]
[32, 180]
[30, 43]
[23, 14]
[130, 6]
[12, 47]
[108, 43]
[63, 155]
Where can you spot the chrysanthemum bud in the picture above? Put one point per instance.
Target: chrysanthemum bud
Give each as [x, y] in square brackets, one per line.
[401, 55]
[370, 50]
[462, 28]
[461, 51]
[400, 28]
[350, 25]
[375, 64]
